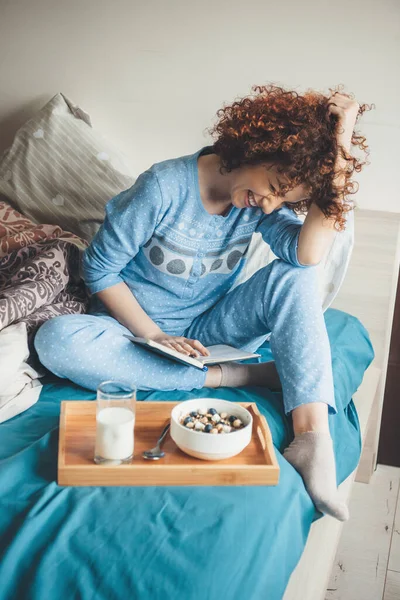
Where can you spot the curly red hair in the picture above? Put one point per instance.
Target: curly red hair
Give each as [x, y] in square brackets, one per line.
[298, 134]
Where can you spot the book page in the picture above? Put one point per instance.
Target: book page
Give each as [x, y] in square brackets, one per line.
[218, 352]
[224, 353]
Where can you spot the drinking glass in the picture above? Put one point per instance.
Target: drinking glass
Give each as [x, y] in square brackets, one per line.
[115, 422]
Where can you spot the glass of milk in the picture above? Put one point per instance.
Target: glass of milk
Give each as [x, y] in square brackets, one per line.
[115, 422]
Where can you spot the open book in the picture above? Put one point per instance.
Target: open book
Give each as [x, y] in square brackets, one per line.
[218, 353]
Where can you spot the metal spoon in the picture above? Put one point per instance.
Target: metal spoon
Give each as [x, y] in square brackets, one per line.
[156, 452]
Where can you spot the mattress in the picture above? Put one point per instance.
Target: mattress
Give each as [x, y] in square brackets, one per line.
[153, 543]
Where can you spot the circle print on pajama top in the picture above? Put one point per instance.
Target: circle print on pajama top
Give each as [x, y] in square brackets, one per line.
[190, 243]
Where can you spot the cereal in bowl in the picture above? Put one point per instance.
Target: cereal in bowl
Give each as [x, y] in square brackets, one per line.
[211, 421]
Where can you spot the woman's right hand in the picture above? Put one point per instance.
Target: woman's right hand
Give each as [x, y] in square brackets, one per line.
[181, 344]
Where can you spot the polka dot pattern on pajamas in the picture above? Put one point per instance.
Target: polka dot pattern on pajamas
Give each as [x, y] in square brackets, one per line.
[179, 262]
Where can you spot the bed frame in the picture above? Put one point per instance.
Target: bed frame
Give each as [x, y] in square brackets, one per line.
[368, 292]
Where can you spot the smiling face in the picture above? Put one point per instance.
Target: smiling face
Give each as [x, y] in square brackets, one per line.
[255, 186]
[219, 191]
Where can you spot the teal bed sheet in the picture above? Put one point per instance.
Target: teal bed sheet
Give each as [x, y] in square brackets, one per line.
[158, 543]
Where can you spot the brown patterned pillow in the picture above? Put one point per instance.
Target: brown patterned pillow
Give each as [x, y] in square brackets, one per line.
[60, 171]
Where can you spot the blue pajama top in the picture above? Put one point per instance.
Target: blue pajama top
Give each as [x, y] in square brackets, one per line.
[177, 258]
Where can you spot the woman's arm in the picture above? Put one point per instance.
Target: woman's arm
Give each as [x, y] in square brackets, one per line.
[316, 236]
[123, 306]
[130, 220]
[318, 231]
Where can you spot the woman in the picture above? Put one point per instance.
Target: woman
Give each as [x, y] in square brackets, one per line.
[171, 247]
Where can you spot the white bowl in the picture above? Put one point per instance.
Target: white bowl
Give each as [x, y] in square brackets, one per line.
[209, 446]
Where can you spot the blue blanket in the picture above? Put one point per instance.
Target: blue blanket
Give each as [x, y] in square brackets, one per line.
[157, 543]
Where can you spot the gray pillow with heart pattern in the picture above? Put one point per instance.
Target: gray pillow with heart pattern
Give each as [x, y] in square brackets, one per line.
[59, 170]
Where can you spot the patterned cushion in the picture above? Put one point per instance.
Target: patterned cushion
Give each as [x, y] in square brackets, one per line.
[61, 171]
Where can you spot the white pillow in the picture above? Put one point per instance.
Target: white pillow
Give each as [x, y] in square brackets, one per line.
[19, 382]
[333, 266]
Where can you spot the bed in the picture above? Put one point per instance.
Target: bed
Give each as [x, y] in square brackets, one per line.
[149, 543]
[166, 542]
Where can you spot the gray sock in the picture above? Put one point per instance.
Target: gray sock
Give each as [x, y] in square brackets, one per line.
[311, 454]
[236, 374]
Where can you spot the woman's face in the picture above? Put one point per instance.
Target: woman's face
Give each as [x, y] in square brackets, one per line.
[253, 185]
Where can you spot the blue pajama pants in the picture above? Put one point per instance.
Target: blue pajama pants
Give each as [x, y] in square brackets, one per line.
[279, 298]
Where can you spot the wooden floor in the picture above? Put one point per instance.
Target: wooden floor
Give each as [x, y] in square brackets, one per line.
[367, 563]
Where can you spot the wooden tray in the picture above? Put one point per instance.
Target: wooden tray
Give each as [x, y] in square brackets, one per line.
[255, 465]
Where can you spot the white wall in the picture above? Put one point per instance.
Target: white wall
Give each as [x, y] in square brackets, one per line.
[153, 73]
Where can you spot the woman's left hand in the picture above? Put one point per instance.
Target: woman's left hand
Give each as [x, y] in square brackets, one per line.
[347, 111]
